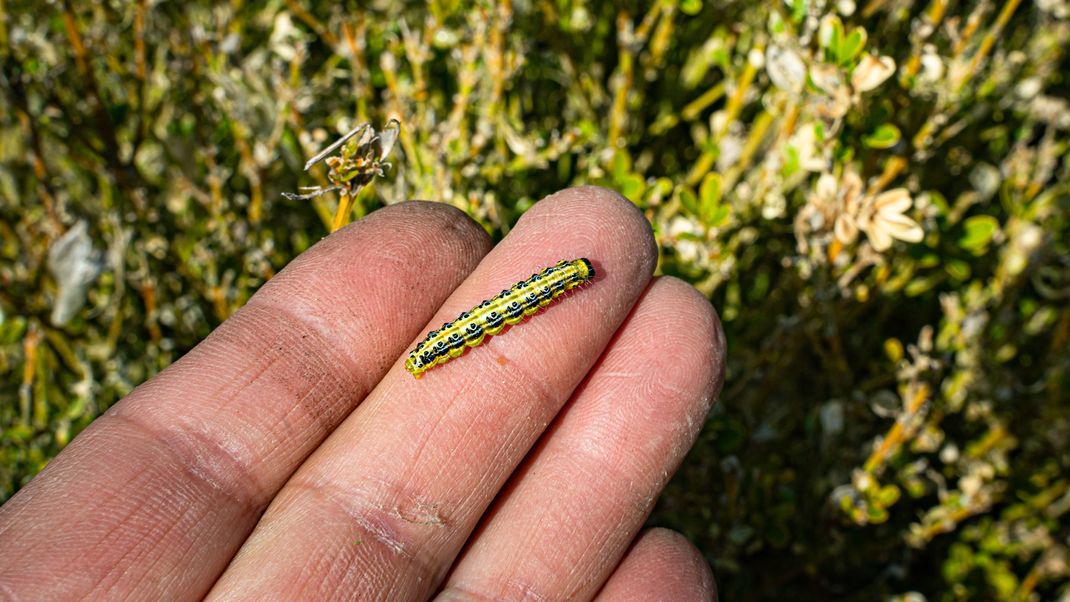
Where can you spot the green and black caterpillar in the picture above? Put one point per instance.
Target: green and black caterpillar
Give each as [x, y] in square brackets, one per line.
[488, 318]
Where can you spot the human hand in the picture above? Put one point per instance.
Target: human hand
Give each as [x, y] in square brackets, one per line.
[291, 456]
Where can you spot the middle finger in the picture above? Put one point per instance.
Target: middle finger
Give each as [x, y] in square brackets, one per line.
[384, 506]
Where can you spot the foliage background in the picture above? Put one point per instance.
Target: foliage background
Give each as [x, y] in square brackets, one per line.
[894, 423]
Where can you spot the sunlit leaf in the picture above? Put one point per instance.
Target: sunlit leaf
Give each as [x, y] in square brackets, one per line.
[885, 136]
[691, 7]
[978, 231]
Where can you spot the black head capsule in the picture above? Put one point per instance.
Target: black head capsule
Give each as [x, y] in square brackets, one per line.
[590, 268]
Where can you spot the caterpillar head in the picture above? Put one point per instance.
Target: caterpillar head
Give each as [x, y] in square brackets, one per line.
[587, 270]
[413, 363]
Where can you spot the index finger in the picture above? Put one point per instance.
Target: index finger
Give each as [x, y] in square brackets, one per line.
[156, 495]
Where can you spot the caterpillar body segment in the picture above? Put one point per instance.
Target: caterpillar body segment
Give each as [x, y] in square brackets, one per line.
[512, 305]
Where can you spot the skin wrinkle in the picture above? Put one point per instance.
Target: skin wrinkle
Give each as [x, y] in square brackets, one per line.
[568, 518]
[320, 414]
[326, 336]
[347, 561]
[468, 502]
[653, 386]
[326, 419]
[340, 565]
[515, 372]
[189, 550]
[102, 588]
[461, 594]
[147, 540]
[432, 429]
[358, 504]
[118, 524]
[186, 455]
[288, 450]
[320, 365]
[73, 583]
[327, 562]
[309, 314]
[511, 441]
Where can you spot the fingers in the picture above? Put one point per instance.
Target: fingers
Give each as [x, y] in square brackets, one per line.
[383, 507]
[572, 509]
[155, 496]
[662, 566]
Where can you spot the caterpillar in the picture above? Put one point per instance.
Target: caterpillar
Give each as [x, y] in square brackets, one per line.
[488, 318]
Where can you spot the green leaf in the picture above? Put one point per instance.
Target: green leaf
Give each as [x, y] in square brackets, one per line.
[632, 187]
[776, 23]
[885, 136]
[721, 58]
[711, 211]
[851, 46]
[719, 215]
[798, 10]
[622, 165]
[876, 515]
[18, 433]
[791, 162]
[819, 133]
[921, 286]
[893, 349]
[12, 330]
[959, 270]
[830, 36]
[691, 7]
[688, 200]
[653, 194]
[1002, 579]
[77, 408]
[978, 232]
[888, 495]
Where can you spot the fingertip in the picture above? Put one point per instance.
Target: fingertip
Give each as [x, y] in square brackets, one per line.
[700, 336]
[661, 565]
[398, 261]
[674, 334]
[446, 221]
[613, 215]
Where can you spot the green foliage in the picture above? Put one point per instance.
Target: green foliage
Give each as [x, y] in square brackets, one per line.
[875, 197]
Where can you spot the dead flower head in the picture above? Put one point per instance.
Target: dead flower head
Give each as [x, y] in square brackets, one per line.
[845, 207]
[884, 218]
[362, 158]
[838, 94]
